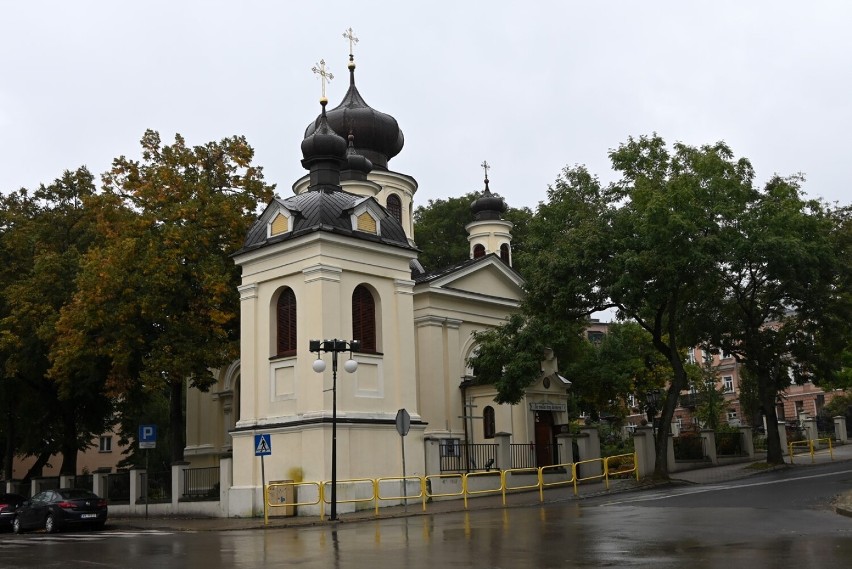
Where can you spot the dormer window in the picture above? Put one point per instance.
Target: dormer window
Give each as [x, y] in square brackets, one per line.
[365, 217]
[280, 223]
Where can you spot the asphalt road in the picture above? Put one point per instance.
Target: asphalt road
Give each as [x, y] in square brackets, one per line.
[780, 519]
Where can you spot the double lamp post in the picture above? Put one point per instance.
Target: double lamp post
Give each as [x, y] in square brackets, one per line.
[334, 347]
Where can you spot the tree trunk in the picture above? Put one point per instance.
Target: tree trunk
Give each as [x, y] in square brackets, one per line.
[69, 446]
[9, 447]
[35, 469]
[176, 425]
[767, 394]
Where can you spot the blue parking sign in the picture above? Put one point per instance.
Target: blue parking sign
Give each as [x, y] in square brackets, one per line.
[147, 436]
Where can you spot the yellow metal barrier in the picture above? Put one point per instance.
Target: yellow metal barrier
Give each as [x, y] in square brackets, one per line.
[351, 482]
[567, 467]
[620, 458]
[468, 492]
[811, 450]
[431, 494]
[402, 480]
[505, 486]
[285, 485]
[596, 476]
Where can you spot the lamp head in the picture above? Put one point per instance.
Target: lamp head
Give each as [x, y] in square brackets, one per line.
[319, 365]
[350, 366]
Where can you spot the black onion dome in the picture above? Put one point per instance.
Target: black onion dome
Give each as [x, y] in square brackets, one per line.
[355, 161]
[488, 205]
[378, 134]
[323, 141]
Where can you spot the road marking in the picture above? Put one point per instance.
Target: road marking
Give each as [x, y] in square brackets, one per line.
[718, 488]
[29, 540]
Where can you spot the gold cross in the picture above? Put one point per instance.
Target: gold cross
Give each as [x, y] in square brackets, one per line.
[325, 74]
[350, 35]
[485, 166]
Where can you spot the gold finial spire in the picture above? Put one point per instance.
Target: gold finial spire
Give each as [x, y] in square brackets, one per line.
[350, 35]
[485, 166]
[324, 75]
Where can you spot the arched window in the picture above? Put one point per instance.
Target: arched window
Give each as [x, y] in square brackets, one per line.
[489, 425]
[504, 253]
[364, 318]
[478, 250]
[395, 207]
[286, 323]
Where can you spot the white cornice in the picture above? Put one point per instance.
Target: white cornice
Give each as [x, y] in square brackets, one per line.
[247, 291]
[322, 273]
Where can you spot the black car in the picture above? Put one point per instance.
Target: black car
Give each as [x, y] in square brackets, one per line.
[57, 509]
[9, 503]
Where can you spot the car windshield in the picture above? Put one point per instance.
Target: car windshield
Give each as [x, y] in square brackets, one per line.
[75, 494]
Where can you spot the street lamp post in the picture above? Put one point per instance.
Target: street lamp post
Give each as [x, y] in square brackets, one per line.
[334, 347]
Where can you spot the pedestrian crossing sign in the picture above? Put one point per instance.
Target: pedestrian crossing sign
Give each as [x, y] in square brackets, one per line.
[262, 445]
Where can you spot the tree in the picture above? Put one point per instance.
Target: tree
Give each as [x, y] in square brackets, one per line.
[784, 310]
[51, 231]
[645, 245]
[158, 303]
[439, 229]
[710, 400]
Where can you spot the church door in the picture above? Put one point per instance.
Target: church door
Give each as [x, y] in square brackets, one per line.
[543, 438]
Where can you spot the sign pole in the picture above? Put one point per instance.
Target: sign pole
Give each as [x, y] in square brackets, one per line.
[403, 425]
[147, 479]
[404, 485]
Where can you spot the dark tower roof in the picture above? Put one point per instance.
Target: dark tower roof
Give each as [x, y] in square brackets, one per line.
[324, 154]
[488, 205]
[377, 135]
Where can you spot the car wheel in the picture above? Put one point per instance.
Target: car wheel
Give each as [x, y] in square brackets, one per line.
[16, 526]
[50, 524]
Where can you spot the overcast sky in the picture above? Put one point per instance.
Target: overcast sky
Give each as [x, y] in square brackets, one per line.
[531, 87]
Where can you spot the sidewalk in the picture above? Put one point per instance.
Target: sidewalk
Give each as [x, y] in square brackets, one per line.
[711, 475]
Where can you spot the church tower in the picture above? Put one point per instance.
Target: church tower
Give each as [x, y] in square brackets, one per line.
[331, 262]
[489, 232]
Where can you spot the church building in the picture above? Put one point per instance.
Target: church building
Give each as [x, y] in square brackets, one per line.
[338, 260]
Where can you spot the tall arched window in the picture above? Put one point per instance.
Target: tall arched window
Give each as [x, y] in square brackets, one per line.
[504, 253]
[395, 207]
[478, 250]
[489, 425]
[286, 323]
[364, 318]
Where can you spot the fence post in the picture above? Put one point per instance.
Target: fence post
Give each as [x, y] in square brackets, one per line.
[226, 479]
[782, 434]
[709, 438]
[811, 432]
[589, 445]
[137, 488]
[433, 455]
[566, 448]
[670, 452]
[840, 429]
[66, 480]
[178, 483]
[504, 451]
[643, 443]
[748, 441]
[99, 483]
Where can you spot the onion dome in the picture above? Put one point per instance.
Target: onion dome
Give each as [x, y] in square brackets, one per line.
[357, 166]
[488, 205]
[324, 153]
[379, 137]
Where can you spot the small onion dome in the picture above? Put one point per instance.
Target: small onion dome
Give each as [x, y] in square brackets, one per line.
[379, 135]
[488, 205]
[355, 161]
[323, 142]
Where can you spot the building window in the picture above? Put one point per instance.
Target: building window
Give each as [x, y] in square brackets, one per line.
[690, 355]
[732, 414]
[489, 424]
[595, 336]
[478, 250]
[364, 318]
[504, 253]
[105, 444]
[286, 323]
[395, 207]
[728, 384]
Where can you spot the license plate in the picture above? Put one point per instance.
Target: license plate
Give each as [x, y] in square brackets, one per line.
[88, 516]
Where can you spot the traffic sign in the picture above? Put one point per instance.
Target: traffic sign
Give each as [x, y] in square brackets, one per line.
[147, 436]
[262, 445]
[403, 422]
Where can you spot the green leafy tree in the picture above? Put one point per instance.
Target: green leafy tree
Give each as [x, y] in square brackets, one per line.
[439, 230]
[53, 230]
[158, 303]
[710, 399]
[785, 307]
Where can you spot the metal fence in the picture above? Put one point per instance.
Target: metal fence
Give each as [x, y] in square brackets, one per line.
[689, 448]
[201, 483]
[729, 444]
[118, 487]
[84, 481]
[460, 457]
[158, 486]
[531, 455]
